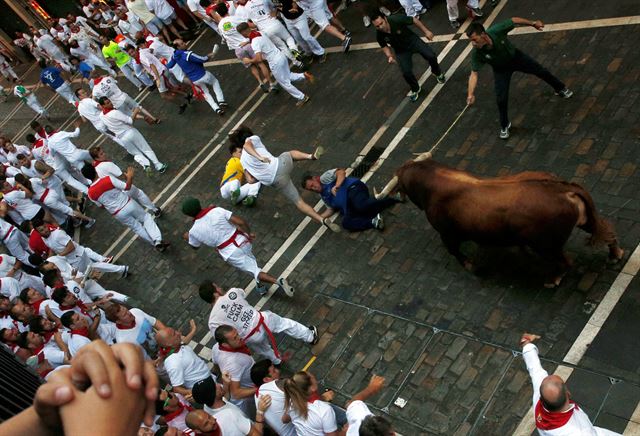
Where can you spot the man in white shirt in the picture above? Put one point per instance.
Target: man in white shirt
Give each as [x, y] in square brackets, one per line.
[182, 365]
[111, 193]
[235, 361]
[254, 327]
[83, 50]
[80, 257]
[218, 228]
[165, 12]
[90, 110]
[129, 24]
[197, 9]
[142, 11]
[265, 50]
[60, 145]
[15, 241]
[271, 171]
[134, 326]
[266, 378]
[555, 413]
[130, 137]
[47, 44]
[106, 86]
[359, 416]
[104, 167]
[12, 267]
[78, 326]
[30, 100]
[241, 46]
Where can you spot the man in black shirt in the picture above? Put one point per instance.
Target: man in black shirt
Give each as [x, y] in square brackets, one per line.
[296, 21]
[394, 31]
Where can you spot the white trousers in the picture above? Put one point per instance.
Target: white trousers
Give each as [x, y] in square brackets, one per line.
[135, 144]
[79, 184]
[29, 281]
[299, 28]
[260, 343]
[65, 92]
[90, 258]
[33, 103]
[277, 33]
[18, 245]
[139, 195]
[8, 72]
[97, 61]
[210, 80]
[411, 7]
[128, 105]
[284, 76]
[241, 257]
[58, 56]
[142, 224]
[95, 290]
[129, 73]
[245, 190]
[452, 8]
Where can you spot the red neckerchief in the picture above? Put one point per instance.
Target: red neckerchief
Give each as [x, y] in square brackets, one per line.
[211, 433]
[546, 420]
[80, 305]
[97, 162]
[203, 212]
[4, 314]
[124, 327]
[39, 143]
[106, 111]
[242, 349]
[36, 305]
[38, 350]
[173, 415]
[82, 332]
[254, 34]
[313, 398]
[49, 335]
[166, 351]
[98, 80]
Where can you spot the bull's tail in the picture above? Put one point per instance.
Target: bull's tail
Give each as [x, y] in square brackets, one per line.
[601, 230]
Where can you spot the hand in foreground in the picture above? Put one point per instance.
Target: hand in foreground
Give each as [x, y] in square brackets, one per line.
[528, 338]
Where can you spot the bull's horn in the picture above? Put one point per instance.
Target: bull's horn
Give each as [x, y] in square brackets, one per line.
[388, 188]
[422, 156]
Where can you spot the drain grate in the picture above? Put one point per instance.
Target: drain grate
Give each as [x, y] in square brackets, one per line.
[367, 162]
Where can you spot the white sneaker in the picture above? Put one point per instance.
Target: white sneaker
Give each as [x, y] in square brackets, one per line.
[332, 226]
[285, 286]
[215, 50]
[385, 11]
[366, 21]
[378, 222]
[504, 133]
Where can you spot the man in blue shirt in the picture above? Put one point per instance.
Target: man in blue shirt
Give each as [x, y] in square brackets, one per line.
[56, 80]
[83, 68]
[193, 66]
[350, 197]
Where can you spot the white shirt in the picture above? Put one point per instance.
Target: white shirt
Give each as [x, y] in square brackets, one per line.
[160, 49]
[20, 149]
[274, 413]
[118, 122]
[263, 172]
[58, 240]
[147, 59]
[260, 13]
[233, 309]
[141, 10]
[23, 207]
[212, 229]
[60, 143]
[90, 109]
[321, 419]
[10, 288]
[83, 50]
[131, 25]
[45, 42]
[108, 87]
[161, 8]
[270, 52]
[77, 341]
[108, 192]
[238, 365]
[185, 368]
[356, 413]
[107, 168]
[227, 27]
[231, 421]
[194, 6]
[141, 333]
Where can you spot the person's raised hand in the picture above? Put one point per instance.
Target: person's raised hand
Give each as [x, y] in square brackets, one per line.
[539, 25]
[528, 338]
[264, 403]
[376, 383]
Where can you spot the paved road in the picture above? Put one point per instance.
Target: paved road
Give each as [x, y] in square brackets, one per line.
[395, 303]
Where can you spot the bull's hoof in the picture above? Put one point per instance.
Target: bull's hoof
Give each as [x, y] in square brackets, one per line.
[468, 265]
[615, 255]
[554, 283]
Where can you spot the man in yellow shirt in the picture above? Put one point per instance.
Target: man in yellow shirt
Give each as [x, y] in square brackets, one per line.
[232, 187]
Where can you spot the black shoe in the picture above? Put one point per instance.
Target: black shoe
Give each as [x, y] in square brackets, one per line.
[346, 44]
[223, 104]
[152, 88]
[189, 97]
[316, 338]
[220, 111]
[157, 213]
[161, 247]
[183, 107]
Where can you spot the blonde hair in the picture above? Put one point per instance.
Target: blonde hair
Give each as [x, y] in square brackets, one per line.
[296, 393]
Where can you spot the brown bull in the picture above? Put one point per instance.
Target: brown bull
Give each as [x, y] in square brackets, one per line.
[532, 209]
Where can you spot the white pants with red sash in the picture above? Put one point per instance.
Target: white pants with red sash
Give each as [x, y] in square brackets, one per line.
[262, 341]
[142, 224]
[236, 251]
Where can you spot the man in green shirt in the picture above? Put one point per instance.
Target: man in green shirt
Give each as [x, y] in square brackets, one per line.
[394, 32]
[30, 99]
[114, 53]
[492, 47]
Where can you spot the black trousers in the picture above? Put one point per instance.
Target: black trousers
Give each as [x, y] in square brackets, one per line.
[502, 76]
[362, 208]
[405, 61]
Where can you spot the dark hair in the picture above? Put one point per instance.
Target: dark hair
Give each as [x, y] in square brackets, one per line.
[20, 156]
[374, 425]
[77, 92]
[555, 404]
[74, 58]
[111, 309]
[129, 47]
[42, 63]
[205, 3]
[259, 371]
[58, 294]
[50, 277]
[222, 9]
[48, 128]
[204, 392]
[21, 340]
[93, 151]
[35, 259]
[66, 319]
[241, 28]
[35, 325]
[220, 332]
[89, 171]
[23, 180]
[102, 99]
[2, 332]
[233, 147]
[206, 290]
[160, 407]
[23, 296]
[305, 178]
[31, 138]
[374, 13]
[239, 136]
[34, 124]
[476, 28]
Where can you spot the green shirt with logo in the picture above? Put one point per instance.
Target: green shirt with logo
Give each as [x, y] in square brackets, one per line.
[20, 92]
[498, 55]
[114, 51]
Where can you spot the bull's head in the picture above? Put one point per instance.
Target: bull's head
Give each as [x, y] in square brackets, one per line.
[393, 183]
